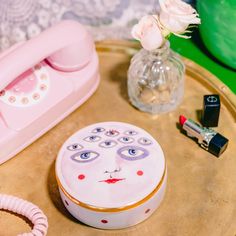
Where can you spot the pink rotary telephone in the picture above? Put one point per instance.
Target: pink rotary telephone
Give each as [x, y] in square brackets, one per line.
[42, 81]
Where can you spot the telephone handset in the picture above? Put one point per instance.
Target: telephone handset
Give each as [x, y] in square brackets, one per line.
[42, 81]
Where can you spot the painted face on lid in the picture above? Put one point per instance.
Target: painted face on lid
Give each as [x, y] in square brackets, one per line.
[110, 164]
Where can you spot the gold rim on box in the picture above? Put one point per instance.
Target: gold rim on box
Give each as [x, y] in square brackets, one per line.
[117, 209]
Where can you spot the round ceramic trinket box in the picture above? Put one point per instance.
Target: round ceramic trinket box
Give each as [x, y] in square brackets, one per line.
[111, 175]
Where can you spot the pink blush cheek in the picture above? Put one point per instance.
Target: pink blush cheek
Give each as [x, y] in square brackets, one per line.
[81, 177]
[139, 172]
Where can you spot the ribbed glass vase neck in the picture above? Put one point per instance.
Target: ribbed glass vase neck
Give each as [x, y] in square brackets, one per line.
[161, 53]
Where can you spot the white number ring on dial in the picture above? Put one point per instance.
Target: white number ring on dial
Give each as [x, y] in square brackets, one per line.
[34, 96]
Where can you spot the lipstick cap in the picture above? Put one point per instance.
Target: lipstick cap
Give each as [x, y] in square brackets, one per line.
[211, 110]
[218, 144]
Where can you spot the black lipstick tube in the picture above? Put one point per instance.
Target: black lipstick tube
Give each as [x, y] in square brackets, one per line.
[207, 138]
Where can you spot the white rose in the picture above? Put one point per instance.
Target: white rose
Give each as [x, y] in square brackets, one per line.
[147, 31]
[177, 15]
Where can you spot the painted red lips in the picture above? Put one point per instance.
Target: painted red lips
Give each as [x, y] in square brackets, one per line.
[111, 181]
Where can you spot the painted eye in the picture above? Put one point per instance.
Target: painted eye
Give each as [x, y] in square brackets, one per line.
[85, 156]
[126, 139]
[92, 138]
[74, 147]
[131, 132]
[112, 133]
[108, 144]
[98, 130]
[144, 141]
[132, 153]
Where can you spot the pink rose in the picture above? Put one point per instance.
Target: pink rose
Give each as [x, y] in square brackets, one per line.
[177, 15]
[147, 31]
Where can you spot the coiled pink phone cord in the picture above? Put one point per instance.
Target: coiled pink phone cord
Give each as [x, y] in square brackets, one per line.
[27, 209]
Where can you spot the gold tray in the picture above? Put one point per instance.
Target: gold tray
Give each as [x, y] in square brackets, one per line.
[201, 191]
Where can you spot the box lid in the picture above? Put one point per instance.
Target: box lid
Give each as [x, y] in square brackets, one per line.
[110, 165]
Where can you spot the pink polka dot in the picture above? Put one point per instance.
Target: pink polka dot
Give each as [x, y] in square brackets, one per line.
[36, 96]
[81, 177]
[12, 99]
[104, 221]
[25, 100]
[43, 77]
[140, 173]
[43, 87]
[147, 211]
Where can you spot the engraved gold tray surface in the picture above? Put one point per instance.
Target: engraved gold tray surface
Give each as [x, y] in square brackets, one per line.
[201, 191]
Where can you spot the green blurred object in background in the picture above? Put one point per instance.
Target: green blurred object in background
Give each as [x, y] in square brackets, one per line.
[218, 28]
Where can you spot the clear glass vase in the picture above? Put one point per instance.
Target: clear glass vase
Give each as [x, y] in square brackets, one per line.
[156, 80]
